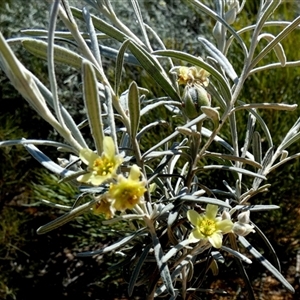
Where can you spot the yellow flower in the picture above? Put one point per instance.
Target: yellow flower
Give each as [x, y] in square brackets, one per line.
[191, 75]
[100, 168]
[208, 226]
[103, 206]
[127, 192]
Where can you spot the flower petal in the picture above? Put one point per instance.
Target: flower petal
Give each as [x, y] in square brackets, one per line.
[197, 234]
[193, 217]
[211, 211]
[97, 180]
[216, 240]
[225, 226]
[194, 236]
[88, 156]
[85, 177]
[134, 173]
[109, 147]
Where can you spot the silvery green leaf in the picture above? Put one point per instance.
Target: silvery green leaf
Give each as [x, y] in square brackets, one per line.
[234, 169]
[212, 113]
[174, 134]
[283, 34]
[150, 126]
[200, 63]
[207, 133]
[258, 207]
[134, 108]
[271, 251]
[279, 51]
[137, 269]
[217, 17]
[36, 142]
[166, 103]
[174, 250]
[249, 133]
[119, 65]
[154, 69]
[265, 263]
[61, 54]
[92, 34]
[123, 241]
[72, 176]
[289, 142]
[289, 64]
[233, 158]
[67, 217]
[217, 96]
[166, 208]
[163, 267]
[146, 59]
[237, 254]
[67, 117]
[175, 274]
[55, 205]
[221, 58]
[137, 10]
[262, 124]
[284, 155]
[92, 104]
[46, 162]
[256, 147]
[206, 200]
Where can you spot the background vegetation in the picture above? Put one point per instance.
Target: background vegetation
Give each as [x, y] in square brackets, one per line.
[45, 267]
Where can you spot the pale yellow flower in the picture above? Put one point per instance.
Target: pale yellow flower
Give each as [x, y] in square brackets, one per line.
[127, 192]
[208, 226]
[191, 75]
[100, 168]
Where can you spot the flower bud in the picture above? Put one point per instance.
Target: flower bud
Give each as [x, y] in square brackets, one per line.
[230, 16]
[193, 98]
[242, 229]
[244, 217]
[226, 215]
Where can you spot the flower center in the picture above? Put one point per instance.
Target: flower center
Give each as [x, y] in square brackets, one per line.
[102, 166]
[207, 227]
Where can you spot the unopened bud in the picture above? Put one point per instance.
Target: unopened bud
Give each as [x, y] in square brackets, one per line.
[230, 16]
[244, 217]
[242, 229]
[226, 215]
[193, 98]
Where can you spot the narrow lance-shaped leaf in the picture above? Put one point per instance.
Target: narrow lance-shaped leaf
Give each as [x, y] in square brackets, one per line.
[46, 162]
[61, 54]
[65, 218]
[234, 169]
[92, 35]
[123, 241]
[220, 57]
[216, 16]
[283, 34]
[92, 104]
[256, 146]
[206, 200]
[154, 69]
[137, 269]
[119, 65]
[278, 49]
[144, 58]
[134, 108]
[158, 253]
[265, 263]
